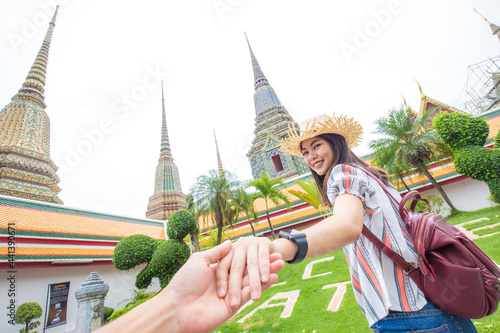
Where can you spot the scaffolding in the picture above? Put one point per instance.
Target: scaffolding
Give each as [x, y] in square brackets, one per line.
[482, 87]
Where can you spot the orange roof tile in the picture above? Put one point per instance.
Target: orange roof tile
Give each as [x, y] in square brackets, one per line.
[38, 219]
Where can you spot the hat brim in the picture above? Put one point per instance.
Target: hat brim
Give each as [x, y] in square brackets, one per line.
[349, 128]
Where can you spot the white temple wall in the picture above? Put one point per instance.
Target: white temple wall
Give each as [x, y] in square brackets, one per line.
[32, 286]
[467, 195]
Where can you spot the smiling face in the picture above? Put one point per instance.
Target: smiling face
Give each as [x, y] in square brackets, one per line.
[318, 155]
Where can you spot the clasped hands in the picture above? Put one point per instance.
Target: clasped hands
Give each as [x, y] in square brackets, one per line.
[208, 289]
[250, 266]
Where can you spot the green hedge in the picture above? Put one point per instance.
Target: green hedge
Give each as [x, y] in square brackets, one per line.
[180, 224]
[478, 163]
[133, 250]
[168, 258]
[466, 135]
[459, 130]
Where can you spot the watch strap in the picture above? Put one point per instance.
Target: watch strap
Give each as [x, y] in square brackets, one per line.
[301, 244]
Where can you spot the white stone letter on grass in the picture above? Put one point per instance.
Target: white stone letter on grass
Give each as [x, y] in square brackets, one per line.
[309, 267]
[337, 297]
[290, 296]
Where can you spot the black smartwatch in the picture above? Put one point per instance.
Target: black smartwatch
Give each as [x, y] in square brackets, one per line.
[300, 239]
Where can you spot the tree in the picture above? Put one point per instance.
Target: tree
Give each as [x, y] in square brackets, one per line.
[311, 196]
[25, 313]
[163, 257]
[212, 194]
[388, 161]
[242, 202]
[193, 237]
[410, 141]
[267, 189]
[467, 135]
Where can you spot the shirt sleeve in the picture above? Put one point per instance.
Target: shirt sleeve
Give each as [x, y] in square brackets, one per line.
[347, 179]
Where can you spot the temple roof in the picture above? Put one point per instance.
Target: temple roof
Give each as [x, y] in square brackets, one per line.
[45, 232]
[427, 103]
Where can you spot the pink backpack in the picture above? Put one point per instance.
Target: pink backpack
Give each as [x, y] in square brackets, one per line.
[453, 273]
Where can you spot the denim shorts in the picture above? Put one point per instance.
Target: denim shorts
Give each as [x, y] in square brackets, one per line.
[429, 319]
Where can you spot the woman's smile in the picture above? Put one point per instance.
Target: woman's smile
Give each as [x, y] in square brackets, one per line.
[318, 155]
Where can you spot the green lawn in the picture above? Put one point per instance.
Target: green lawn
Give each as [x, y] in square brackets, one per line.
[310, 312]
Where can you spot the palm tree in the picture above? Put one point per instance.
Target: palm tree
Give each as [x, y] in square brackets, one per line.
[267, 189]
[242, 202]
[311, 196]
[409, 140]
[212, 194]
[386, 160]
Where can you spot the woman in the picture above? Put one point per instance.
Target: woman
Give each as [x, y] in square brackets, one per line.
[390, 299]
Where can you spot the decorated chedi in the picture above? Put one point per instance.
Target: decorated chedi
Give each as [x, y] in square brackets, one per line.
[167, 197]
[26, 169]
[272, 122]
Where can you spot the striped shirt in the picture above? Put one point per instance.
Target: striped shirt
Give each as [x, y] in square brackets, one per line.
[379, 284]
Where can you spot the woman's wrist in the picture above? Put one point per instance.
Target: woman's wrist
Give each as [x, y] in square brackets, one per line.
[287, 248]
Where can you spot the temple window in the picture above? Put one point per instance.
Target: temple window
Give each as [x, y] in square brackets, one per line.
[277, 163]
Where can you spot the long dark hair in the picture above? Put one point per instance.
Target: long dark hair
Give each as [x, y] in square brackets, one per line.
[342, 154]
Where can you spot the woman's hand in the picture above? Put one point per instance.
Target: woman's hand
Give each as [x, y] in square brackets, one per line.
[249, 256]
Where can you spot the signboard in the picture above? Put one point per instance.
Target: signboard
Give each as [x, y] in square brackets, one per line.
[57, 304]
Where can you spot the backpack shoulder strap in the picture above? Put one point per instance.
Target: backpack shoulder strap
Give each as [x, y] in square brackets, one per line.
[407, 267]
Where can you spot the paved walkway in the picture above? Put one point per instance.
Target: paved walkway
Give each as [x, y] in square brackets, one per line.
[471, 234]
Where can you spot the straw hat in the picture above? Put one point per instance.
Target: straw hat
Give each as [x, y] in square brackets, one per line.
[350, 129]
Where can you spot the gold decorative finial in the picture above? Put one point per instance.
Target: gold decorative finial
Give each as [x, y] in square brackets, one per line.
[422, 95]
[406, 105]
[481, 16]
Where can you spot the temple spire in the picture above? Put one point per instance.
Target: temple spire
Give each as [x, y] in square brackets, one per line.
[495, 29]
[272, 121]
[165, 143]
[259, 77]
[167, 197]
[34, 86]
[219, 162]
[26, 170]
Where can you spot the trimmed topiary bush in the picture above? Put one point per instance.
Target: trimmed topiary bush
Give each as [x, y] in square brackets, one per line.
[168, 258]
[133, 250]
[25, 313]
[466, 135]
[459, 130]
[163, 258]
[180, 224]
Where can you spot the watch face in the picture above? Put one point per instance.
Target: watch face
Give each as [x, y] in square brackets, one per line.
[296, 234]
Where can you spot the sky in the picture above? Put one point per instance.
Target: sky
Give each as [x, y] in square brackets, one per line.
[107, 59]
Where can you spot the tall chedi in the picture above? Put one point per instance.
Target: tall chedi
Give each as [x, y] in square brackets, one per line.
[219, 161]
[26, 169]
[167, 197]
[272, 121]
